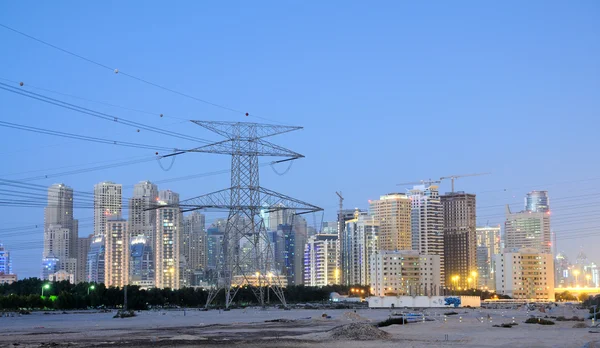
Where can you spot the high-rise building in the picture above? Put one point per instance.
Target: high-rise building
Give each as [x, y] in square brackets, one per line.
[561, 270]
[142, 229]
[142, 220]
[393, 213]
[141, 264]
[49, 266]
[5, 263]
[300, 237]
[168, 228]
[528, 229]
[321, 260]
[214, 243]
[57, 245]
[107, 203]
[358, 242]
[488, 245]
[525, 274]
[405, 272]
[460, 239]
[537, 202]
[60, 229]
[193, 246]
[427, 223]
[83, 247]
[278, 216]
[95, 260]
[117, 252]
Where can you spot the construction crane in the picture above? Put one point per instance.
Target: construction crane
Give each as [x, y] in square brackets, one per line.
[453, 177]
[422, 182]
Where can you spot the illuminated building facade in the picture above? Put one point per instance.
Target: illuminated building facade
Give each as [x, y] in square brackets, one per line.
[393, 213]
[488, 245]
[168, 228]
[525, 274]
[358, 242]
[107, 203]
[427, 222]
[321, 260]
[405, 272]
[116, 264]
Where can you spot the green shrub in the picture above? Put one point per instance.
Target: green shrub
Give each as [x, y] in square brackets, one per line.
[506, 325]
[392, 321]
[539, 321]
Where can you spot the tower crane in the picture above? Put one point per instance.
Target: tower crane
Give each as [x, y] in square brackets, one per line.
[421, 182]
[453, 177]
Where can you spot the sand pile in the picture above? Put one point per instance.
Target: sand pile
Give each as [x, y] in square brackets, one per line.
[354, 316]
[358, 332]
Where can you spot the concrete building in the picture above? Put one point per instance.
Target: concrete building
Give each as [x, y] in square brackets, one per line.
[5, 263]
[393, 213]
[57, 245]
[142, 229]
[321, 260]
[330, 227]
[142, 221]
[7, 278]
[60, 229]
[300, 239]
[117, 253]
[488, 245]
[525, 274]
[193, 246]
[460, 239]
[358, 242]
[107, 203]
[537, 202]
[405, 272]
[168, 229]
[62, 276]
[83, 247]
[95, 261]
[528, 229]
[427, 222]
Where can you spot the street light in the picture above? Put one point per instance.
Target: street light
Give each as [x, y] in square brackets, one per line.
[576, 273]
[469, 280]
[91, 288]
[588, 277]
[45, 286]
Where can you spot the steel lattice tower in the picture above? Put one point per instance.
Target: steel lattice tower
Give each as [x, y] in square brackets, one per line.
[245, 200]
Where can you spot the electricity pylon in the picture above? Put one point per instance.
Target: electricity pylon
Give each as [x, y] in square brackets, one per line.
[245, 199]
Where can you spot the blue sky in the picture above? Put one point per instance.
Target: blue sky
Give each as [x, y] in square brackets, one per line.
[387, 91]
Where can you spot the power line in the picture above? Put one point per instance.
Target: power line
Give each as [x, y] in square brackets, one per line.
[97, 114]
[118, 71]
[95, 101]
[82, 137]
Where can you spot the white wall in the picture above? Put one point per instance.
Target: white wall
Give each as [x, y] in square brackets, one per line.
[420, 301]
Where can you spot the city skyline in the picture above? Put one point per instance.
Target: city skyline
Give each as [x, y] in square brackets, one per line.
[475, 76]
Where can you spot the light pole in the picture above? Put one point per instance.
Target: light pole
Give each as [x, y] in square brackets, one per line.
[576, 274]
[92, 287]
[45, 286]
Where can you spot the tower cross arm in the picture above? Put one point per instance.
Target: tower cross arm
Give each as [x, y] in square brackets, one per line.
[259, 147]
[245, 130]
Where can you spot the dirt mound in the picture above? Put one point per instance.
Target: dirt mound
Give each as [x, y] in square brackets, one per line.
[358, 332]
[353, 316]
[580, 326]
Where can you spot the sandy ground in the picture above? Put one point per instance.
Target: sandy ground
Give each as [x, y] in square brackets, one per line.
[305, 328]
